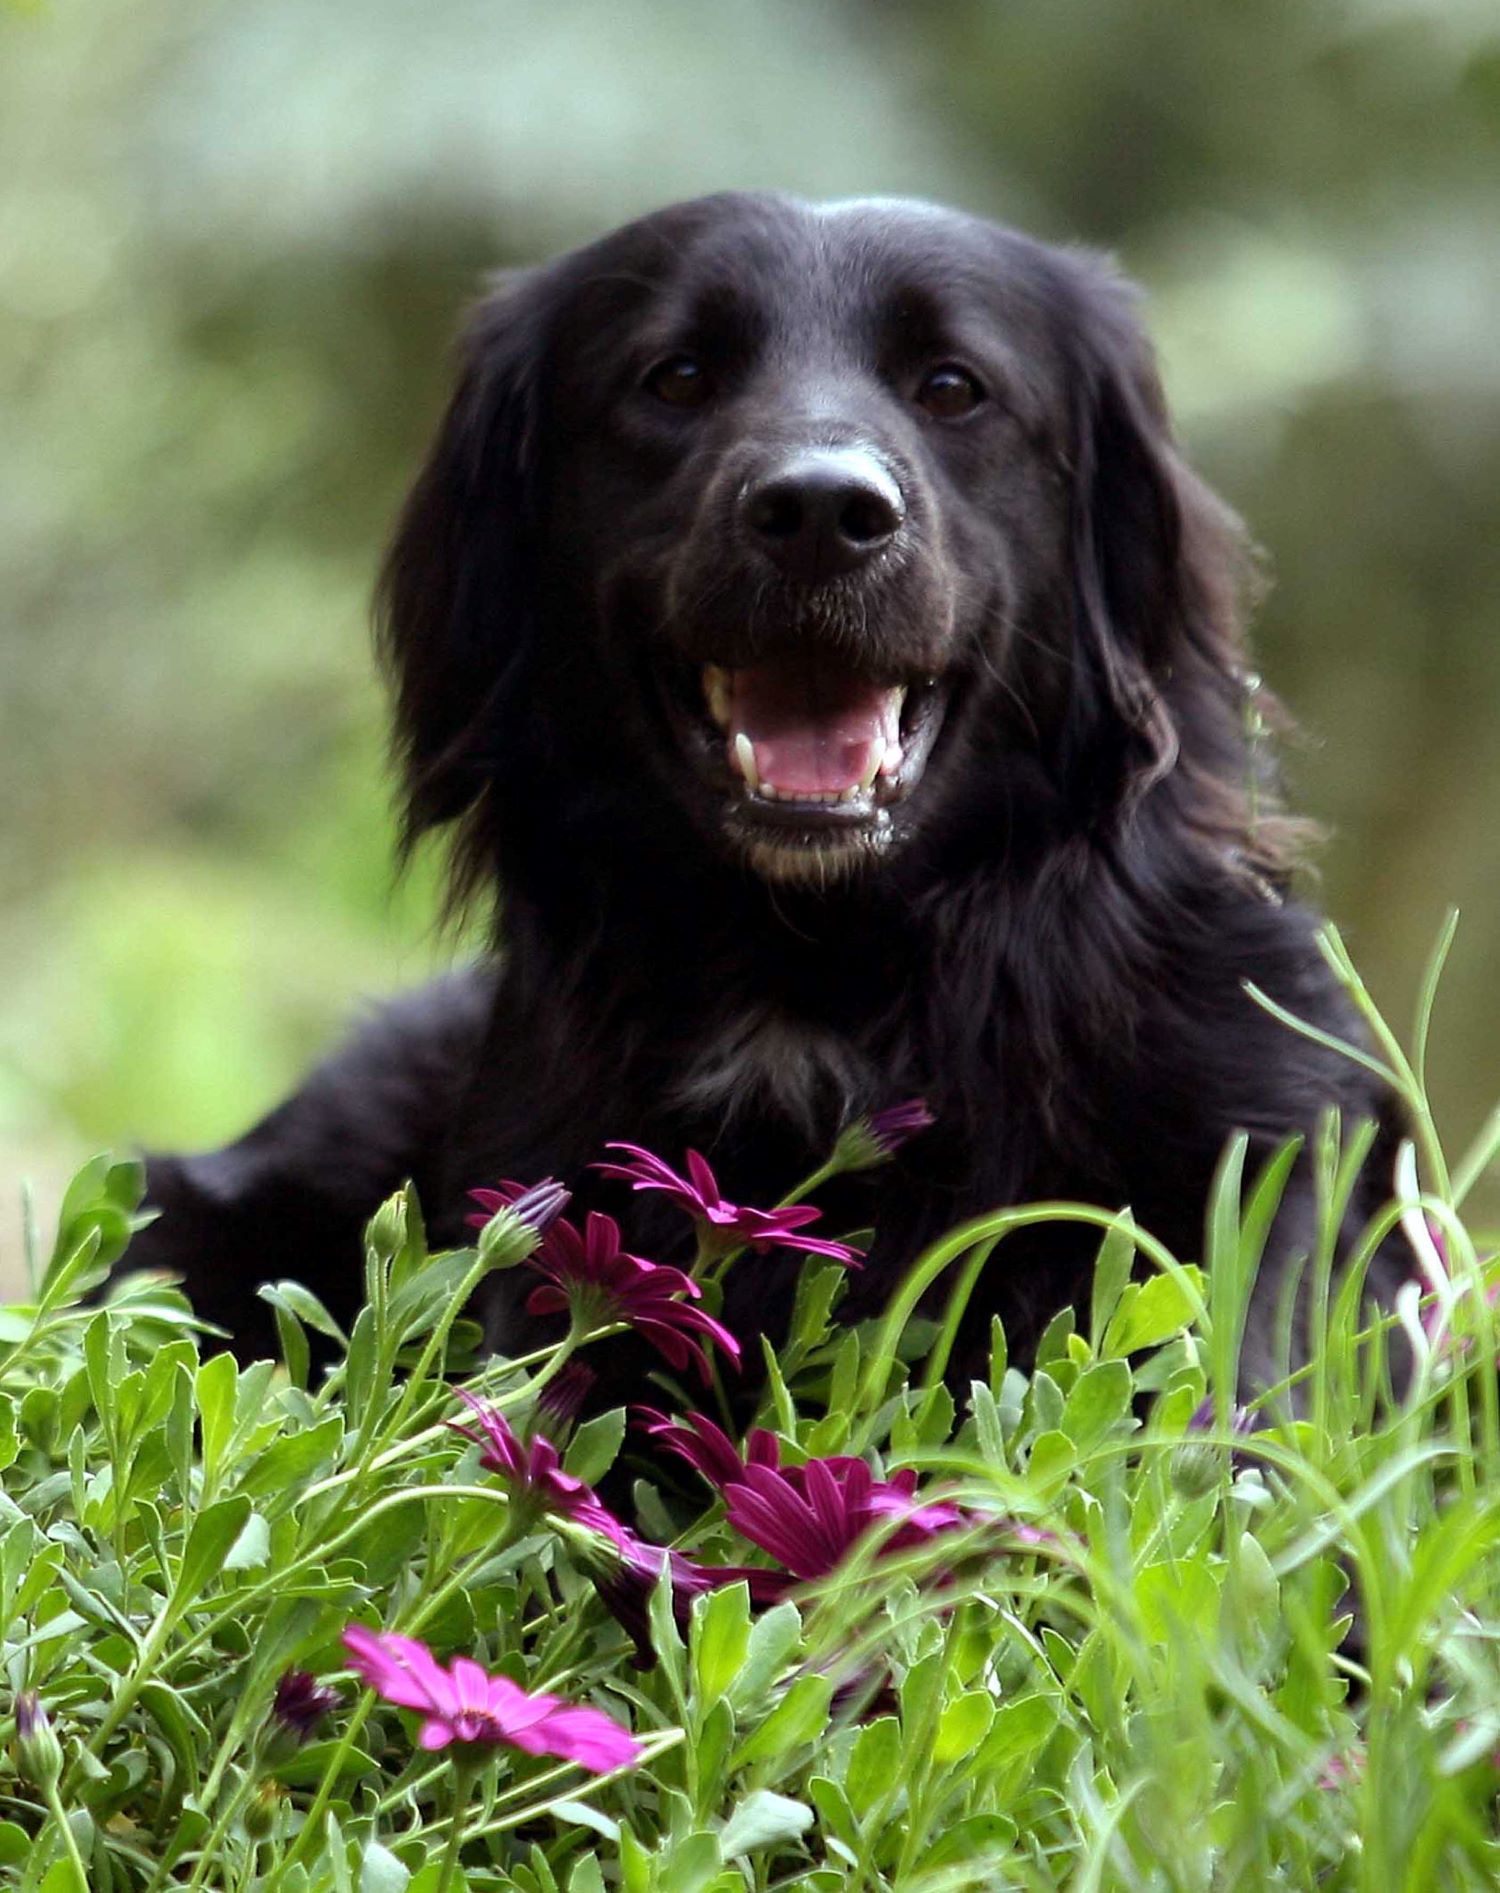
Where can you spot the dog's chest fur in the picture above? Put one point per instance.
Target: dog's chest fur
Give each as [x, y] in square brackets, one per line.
[758, 1059]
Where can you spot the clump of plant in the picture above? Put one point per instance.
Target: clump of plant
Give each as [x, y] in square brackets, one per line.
[1091, 1624]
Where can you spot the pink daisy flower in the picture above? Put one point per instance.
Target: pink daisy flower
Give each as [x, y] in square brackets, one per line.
[809, 1517]
[729, 1225]
[534, 1471]
[463, 1704]
[592, 1279]
[707, 1448]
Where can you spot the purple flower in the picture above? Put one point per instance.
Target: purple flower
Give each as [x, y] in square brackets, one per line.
[464, 1704]
[562, 1398]
[875, 1139]
[534, 1471]
[809, 1517]
[891, 1127]
[707, 1448]
[726, 1225]
[591, 1278]
[1203, 1418]
[537, 1204]
[300, 1703]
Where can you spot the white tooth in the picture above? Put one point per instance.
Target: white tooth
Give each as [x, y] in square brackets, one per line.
[716, 693]
[852, 791]
[770, 791]
[891, 761]
[872, 768]
[744, 755]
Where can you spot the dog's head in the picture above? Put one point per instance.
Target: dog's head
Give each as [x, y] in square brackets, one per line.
[783, 520]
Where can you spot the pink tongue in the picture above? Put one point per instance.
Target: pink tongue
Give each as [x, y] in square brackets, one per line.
[811, 734]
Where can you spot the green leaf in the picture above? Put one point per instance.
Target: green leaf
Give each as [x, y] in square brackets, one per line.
[666, 1640]
[252, 1548]
[963, 1725]
[719, 1639]
[1176, 1597]
[874, 1765]
[361, 1365]
[1111, 1273]
[292, 1343]
[1151, 1312]
[214, 1388]
[1098, 1403]
[981, 1840]
[208, 1543]
[773, 1638]
[380, 1871]
[595, 1446]
[60, 1877]
[308, 1765]
[762, 1820]
[1019, 1729]
[801, 1716]
[587, 1876]
[304, 1305]
[582, 1814]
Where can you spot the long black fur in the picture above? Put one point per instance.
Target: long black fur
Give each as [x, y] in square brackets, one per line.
[1053, 953]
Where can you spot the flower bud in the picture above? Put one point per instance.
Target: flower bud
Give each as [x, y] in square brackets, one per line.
[299, 1705]
[1198, 1464]
[873, 1140]
[561, 1401]
[385, 1235]
[38, 1752]
[262, 1813]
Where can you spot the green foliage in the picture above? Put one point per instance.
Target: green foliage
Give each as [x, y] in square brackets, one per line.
[1160, 1650]
[236, 241]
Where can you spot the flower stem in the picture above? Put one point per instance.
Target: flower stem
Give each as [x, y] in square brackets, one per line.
[464, 1773]
[69, 1839]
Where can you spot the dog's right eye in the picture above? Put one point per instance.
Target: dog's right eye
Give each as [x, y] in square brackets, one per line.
[680, 381]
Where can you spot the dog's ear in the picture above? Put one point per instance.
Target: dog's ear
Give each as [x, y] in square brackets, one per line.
[455, 605]
[1160, 567]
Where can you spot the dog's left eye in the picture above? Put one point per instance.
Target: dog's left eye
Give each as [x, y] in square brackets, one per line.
[948, 391]
[680, 381]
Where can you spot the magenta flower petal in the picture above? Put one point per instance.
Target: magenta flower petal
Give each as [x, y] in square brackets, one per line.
[589, 1276]
[537, 1203]
[534, 1470]
[707, 1448]
[465, 1704]
[730, 1224]
[809, 1517]
[402, 1670]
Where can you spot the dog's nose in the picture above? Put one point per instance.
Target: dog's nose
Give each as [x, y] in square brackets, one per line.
[823, 512]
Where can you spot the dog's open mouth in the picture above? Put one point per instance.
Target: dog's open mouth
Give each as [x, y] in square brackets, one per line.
[813, 756]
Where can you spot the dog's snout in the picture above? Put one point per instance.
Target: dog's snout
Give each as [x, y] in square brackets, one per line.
[823, 512]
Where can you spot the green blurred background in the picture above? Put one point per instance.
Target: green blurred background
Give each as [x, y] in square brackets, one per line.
[235, 238]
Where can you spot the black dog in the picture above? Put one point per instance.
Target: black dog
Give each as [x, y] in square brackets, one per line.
[813, 640]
